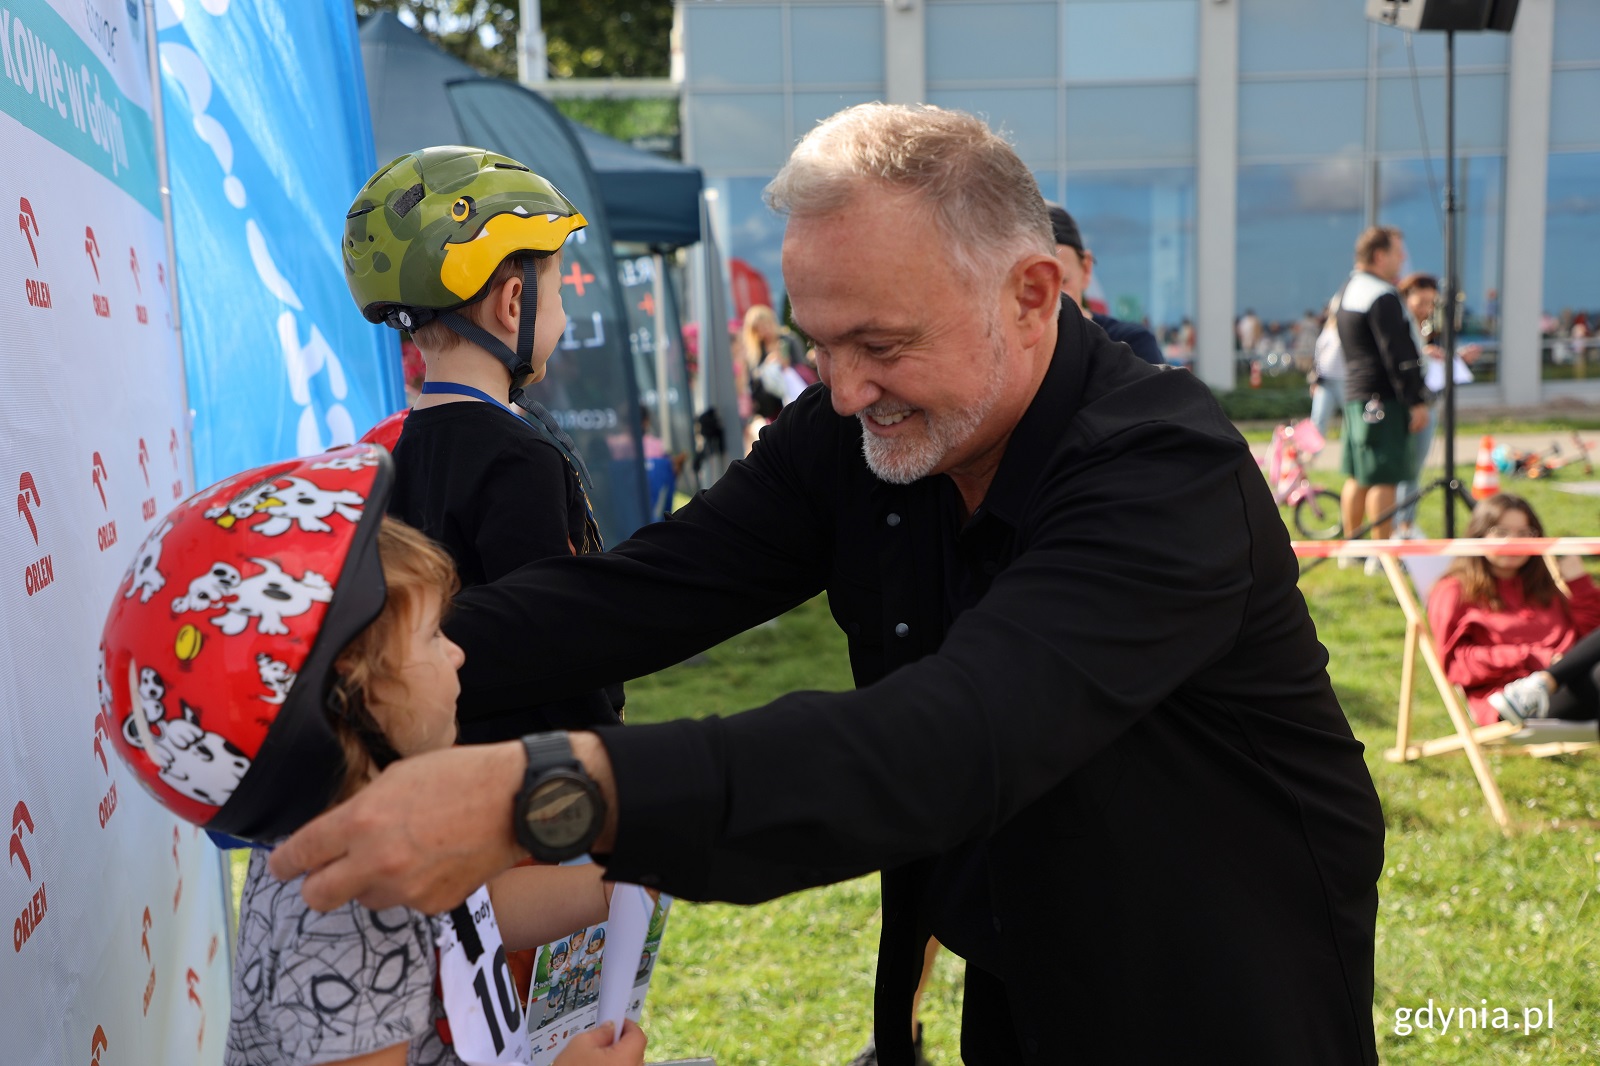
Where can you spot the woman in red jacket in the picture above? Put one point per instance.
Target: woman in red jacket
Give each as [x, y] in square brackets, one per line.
[1506, 633]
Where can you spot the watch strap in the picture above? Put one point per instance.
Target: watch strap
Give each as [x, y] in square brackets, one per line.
[547, 751]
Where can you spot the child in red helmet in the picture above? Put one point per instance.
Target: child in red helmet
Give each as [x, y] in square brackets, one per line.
[275, 644]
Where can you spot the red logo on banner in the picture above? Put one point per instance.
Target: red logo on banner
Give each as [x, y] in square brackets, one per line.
[172, 446]
[102, 736]
[144, 942]
[27, 499]
[133, 264]
[144, 461]
[38, 291]
[42, 572]
[177, 893]
[20, 820]
[106, 535]
[98, 475]
[97, 1045]
[91, 248]
[34, 910]
[192, 979]
[28, 223]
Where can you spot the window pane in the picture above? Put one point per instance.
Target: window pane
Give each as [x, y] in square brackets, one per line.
[1408, 198]
[1301, 35]
[1472, 49]
[1281, 118]
[733, 45]
[1129, 40]
[750, 232]
[812, 108]
[738, 131]
[1577, 30]
[1049, 184]
[1574, 108]
[1140, 226]
[1480, 114]
[1025, 117]
[1297, 228]
[1571, 235]
[831, 44]
[990, 42]
[1131, 123]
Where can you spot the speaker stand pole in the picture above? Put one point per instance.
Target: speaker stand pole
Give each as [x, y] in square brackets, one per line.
[1451, 287]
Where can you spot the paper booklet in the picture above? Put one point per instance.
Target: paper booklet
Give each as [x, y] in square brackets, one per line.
[601, 968]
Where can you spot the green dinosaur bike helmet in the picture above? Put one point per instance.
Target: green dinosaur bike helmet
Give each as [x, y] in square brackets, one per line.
[428, 230]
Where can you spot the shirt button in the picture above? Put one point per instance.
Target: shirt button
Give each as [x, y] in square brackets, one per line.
[901, 629]
[893, 519]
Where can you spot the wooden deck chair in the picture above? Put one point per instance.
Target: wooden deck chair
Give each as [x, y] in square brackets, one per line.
[1411, 580]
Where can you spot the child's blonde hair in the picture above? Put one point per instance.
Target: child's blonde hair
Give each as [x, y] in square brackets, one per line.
[414, 568]
[436, 338]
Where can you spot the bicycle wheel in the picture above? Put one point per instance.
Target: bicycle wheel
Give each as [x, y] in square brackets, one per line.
[1317, 516]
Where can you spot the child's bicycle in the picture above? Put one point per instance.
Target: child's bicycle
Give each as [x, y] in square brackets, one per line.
[1316, 509]
[1516, 463]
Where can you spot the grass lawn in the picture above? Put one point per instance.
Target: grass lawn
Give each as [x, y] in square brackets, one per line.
[1468, 917]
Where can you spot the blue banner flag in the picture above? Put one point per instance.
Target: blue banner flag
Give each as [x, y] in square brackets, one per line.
[267, 147]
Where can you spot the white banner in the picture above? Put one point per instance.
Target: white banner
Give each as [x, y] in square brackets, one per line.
[118, 912]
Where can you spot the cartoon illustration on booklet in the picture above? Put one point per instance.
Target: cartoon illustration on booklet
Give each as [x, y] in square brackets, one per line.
[564, 999]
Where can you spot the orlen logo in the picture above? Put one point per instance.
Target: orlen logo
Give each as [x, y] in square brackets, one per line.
[102, 737]
[91, 248]
[38, 291]
[149, 506]
[106, 535]
[41, 573]
[144, 942]
[140, 311]
[172, 446]
[34, 911]
[97, 1044]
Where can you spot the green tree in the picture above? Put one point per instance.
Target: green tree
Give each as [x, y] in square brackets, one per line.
[583, 38]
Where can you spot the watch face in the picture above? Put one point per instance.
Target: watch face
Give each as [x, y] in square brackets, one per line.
[561, 811]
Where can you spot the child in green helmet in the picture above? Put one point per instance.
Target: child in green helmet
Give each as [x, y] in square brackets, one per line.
[462, 247]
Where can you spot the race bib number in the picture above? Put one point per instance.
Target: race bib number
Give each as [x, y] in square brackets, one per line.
[487, 1023]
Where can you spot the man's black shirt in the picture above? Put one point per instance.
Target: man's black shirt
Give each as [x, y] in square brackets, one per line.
[479, 480]
[1093, 746]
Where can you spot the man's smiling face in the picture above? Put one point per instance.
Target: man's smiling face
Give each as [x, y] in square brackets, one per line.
[905, 342]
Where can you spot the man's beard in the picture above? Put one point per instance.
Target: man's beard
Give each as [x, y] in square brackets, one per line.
[908, 457]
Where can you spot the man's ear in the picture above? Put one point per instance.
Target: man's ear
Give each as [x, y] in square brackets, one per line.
[1036, 290]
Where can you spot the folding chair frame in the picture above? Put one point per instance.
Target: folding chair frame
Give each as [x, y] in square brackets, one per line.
[1468, 737]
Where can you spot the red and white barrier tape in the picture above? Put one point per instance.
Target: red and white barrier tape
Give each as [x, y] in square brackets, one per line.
[1360, 549]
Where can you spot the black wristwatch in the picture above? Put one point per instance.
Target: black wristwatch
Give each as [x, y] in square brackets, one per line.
[559, 809]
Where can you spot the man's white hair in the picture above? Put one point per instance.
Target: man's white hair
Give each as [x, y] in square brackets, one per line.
[979, 194]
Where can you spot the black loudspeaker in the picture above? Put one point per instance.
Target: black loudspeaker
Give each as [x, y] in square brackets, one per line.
[1465, 15]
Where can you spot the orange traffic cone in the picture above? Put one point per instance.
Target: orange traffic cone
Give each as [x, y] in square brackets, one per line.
[1486, 479]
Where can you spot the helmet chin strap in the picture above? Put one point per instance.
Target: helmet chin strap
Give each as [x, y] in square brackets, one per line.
[519, 362]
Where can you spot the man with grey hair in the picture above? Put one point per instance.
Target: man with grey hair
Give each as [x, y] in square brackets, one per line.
[1096, 755]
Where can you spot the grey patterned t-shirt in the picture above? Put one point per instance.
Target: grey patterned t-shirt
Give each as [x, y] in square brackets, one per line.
[312, 988]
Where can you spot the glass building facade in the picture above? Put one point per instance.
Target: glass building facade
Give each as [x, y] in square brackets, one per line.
[1329, 123]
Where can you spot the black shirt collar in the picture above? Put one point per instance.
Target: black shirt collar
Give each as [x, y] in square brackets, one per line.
[1035, 439]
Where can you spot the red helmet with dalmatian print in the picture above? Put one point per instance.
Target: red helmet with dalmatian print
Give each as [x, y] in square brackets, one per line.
[219, 647]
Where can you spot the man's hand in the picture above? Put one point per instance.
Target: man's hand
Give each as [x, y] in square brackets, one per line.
[1419, 418]
[427, 832]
